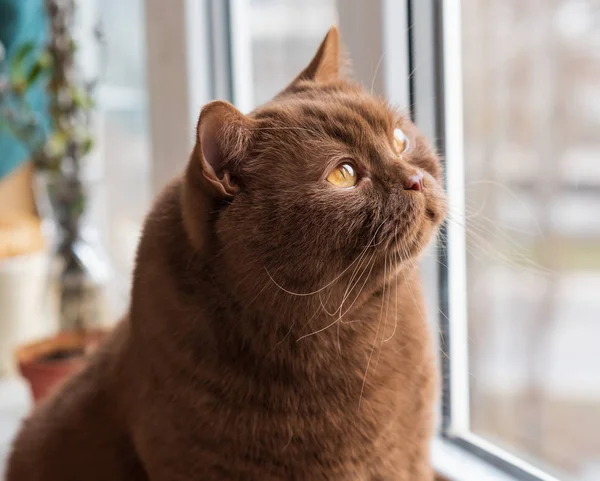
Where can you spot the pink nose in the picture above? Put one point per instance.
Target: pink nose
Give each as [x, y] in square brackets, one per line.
[414, 182]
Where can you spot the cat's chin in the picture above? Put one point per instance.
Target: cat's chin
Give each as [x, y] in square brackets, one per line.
[405, 249]
[404, 252]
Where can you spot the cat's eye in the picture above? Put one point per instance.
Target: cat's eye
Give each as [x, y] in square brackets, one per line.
[343, 176]
[400, 141]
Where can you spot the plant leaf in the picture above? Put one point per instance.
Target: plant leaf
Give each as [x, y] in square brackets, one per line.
[45, 59]
[18, 82]
[21, 54]
[34, 74]
[81, 98]
[87, 144]
[57, 144]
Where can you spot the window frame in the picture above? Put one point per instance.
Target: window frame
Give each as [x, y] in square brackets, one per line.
[436, 35]
[183, 37]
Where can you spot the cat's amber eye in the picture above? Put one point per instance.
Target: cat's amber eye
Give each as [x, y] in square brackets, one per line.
[400, 141]
[343, 176]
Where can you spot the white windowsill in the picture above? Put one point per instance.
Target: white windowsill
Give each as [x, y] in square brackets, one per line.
[459, 465]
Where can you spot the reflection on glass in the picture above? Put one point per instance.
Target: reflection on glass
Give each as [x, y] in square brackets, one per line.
[532, 161]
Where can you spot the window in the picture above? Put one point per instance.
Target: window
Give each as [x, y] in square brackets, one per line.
[120, 165]
[520, 267]
[508, 89]
[284, 36]
[271, 41]
[123, 142]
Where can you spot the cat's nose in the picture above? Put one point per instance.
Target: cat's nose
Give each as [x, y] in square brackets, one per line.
[414, 181]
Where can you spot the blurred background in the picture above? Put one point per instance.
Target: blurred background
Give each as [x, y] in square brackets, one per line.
[531, 75]
[98, 101]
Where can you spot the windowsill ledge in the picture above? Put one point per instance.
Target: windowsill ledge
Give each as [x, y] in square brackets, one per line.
[459, 465]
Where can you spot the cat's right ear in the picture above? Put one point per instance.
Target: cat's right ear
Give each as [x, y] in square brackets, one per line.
[222, 139]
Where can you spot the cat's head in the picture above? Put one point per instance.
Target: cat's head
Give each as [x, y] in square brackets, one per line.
[302, 187]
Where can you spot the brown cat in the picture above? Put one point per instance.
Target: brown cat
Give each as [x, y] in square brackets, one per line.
[276, 327]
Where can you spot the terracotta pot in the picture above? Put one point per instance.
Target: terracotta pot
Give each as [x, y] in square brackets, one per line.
[47, 363]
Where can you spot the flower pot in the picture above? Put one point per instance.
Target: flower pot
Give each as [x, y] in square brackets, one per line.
[47, 363]
[25, 308]
[23, 314]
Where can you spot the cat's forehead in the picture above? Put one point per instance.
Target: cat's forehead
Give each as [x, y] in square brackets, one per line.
[339, 111]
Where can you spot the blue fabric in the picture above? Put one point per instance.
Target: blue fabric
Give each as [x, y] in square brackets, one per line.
[21, 21]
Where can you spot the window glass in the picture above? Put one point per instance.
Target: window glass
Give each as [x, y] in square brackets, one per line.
[123, 141]
[531, 77]
[284, 36]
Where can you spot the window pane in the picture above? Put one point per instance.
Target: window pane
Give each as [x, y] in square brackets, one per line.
[124, 143]
[532, 163]
[285, 35]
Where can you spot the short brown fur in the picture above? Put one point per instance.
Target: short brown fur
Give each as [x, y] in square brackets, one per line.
[276, 329]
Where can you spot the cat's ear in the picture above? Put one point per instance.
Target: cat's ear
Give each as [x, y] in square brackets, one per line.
[223, 137]
[222, 140]
[325, 65]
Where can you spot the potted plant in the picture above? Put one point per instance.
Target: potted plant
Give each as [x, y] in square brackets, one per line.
[78, 270]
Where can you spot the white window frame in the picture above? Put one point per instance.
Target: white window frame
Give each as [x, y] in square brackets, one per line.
[407, 50]
[193, 46]
[180, 45]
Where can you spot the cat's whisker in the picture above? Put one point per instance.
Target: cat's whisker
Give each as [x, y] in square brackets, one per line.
[376, 71]
[353, 279]
[371, 262]
[396, 306]
[292, 327]
[258, 294]
[350, 288]
[513, 194]
[361, 288]
[387, 311]
[347, 293]
[317, 331]
[412, 296]
[488, 247]
[477, 214]
[352, 283]
[362, 389]
[339, 342]
[301, 294]
[322, 309]
[493, 253]
[441, 334]
[477, 227]
[482, 222]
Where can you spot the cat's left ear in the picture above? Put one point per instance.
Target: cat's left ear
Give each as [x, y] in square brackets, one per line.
[222, 139]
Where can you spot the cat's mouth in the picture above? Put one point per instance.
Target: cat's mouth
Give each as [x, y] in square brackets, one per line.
[405, 247]
[410, 237]
[435, 212]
